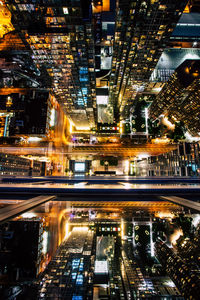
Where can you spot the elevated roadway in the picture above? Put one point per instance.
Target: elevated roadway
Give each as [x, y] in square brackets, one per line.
[118, 191]
[145, 194]
[101, 179]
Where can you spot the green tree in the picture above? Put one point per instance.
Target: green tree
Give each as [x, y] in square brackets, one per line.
[178, 133]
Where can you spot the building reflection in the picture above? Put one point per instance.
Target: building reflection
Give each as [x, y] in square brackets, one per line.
[76, 250]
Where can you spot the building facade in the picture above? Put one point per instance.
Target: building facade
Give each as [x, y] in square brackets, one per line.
[60, 37]
[142, 31]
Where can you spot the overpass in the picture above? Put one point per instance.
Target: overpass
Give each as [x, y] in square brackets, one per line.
[120, 192]
[90, 188]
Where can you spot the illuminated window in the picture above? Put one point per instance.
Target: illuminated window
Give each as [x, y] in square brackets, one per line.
[65, 11]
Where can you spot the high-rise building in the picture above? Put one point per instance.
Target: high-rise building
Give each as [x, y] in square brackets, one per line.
[183, 161]
[104, 30]
[60, 37]
[25, 114]
[21, 260]
[142, 31]
[25, 103]
[12, 165]
[183, 274]
[179, 97]
[183, 45]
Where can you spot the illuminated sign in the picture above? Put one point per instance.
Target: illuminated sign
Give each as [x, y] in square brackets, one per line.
[79, 167]
[101, 267]
[45, 242]
[102, 100]
[52, 117]
[65, 11]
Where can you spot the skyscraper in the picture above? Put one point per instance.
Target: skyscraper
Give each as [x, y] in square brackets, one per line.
[142, 31]
[60, 38]
[179, 97]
